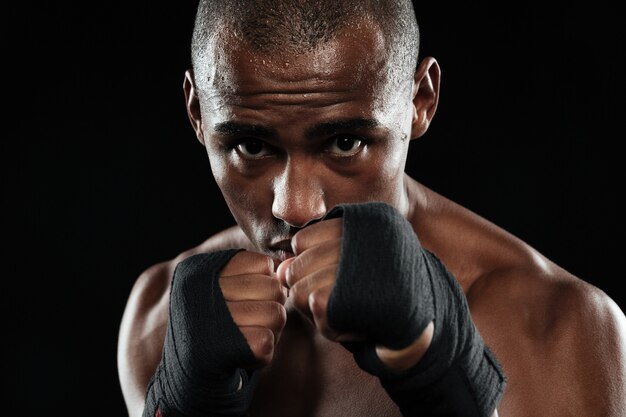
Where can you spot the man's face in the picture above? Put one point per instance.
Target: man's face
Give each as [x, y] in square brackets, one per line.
[289, 136]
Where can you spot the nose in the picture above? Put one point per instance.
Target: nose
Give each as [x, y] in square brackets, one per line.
[298, 195]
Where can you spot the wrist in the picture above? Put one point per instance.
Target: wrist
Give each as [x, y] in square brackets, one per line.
[406, 358]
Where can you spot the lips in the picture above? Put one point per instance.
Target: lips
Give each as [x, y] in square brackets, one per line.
[282, 249]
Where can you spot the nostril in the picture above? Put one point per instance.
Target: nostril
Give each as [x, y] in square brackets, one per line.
[296, 225]
[298, 219]
[312, 221]
[298, 201]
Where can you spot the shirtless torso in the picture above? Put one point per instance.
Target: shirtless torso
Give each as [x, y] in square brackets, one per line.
[540, 321]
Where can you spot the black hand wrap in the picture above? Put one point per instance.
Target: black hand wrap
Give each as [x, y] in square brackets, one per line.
[205, 353]
[388, 289]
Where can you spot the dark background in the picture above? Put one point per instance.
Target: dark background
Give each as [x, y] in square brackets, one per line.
[102, 175]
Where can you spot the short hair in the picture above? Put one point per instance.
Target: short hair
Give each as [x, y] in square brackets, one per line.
[272, 26]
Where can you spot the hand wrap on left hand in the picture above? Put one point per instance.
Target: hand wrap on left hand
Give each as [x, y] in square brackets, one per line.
[388, 289]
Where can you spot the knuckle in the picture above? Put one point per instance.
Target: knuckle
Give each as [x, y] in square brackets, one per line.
[262, 345]
[233, 310]
[280, 316]
[263, 263]
[318, 232]
[253, 262]
[244, 312]
[318, 302]
[298, 269]
[278, 292]
[290, 277]
[247, 308]
[298, 241]
[300, 297]
[292, 272]
[229, 283]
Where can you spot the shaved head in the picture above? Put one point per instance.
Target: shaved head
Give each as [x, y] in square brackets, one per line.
[280, 27]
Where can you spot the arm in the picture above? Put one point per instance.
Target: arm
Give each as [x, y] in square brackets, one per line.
[225, 312]
[375, 286]
[596, 337]
[404, 359]
[143, 325]
[141, 335]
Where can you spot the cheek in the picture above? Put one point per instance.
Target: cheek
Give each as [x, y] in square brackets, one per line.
[394, 159]
[384, 178]
[223, 177]
[244, 199]
[247, 198]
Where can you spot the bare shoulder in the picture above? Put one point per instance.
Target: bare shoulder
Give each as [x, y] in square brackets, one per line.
[546, 301]
[560, 340]
[143, 324]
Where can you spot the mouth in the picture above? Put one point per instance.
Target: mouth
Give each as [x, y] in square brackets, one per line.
[282, 250]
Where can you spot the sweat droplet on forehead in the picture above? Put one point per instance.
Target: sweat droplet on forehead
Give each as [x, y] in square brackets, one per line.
[348, 74]
[354, 59]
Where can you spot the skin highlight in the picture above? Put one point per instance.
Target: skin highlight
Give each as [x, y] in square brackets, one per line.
[283, 148]
[315, 89]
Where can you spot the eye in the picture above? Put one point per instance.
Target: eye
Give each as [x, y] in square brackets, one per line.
[345, 145]
[252, 148]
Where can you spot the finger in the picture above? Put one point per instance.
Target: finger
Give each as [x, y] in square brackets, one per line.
[245, 262]
[318, 305]
[302, 290]
[315, 234]
[313, 259]
[268, 314]
[262, 342]
[282, 269]
[253, 288]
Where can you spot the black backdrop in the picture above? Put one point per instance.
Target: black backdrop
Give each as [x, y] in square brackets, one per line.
[102, 175]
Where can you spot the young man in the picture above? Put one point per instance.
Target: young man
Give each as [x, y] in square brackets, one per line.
[356, 290]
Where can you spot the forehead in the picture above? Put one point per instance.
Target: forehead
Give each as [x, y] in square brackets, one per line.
[355, 60]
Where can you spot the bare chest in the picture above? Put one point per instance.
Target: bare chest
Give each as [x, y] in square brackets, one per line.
[311, 376]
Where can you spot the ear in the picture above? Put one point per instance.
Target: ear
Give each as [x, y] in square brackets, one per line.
[425, 96]
[193, 105]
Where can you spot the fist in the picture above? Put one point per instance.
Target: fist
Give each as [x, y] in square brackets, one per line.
[312, 273]
[312, 277]
[255, 298]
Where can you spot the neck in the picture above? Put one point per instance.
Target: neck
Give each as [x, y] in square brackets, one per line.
[414, 199]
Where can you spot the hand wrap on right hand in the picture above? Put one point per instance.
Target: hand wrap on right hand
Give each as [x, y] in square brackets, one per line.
[389, 288]
[205, 353]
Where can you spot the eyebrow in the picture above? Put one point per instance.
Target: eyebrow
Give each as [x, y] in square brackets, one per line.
[232, 128]
[344, 125]
[244, 129]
